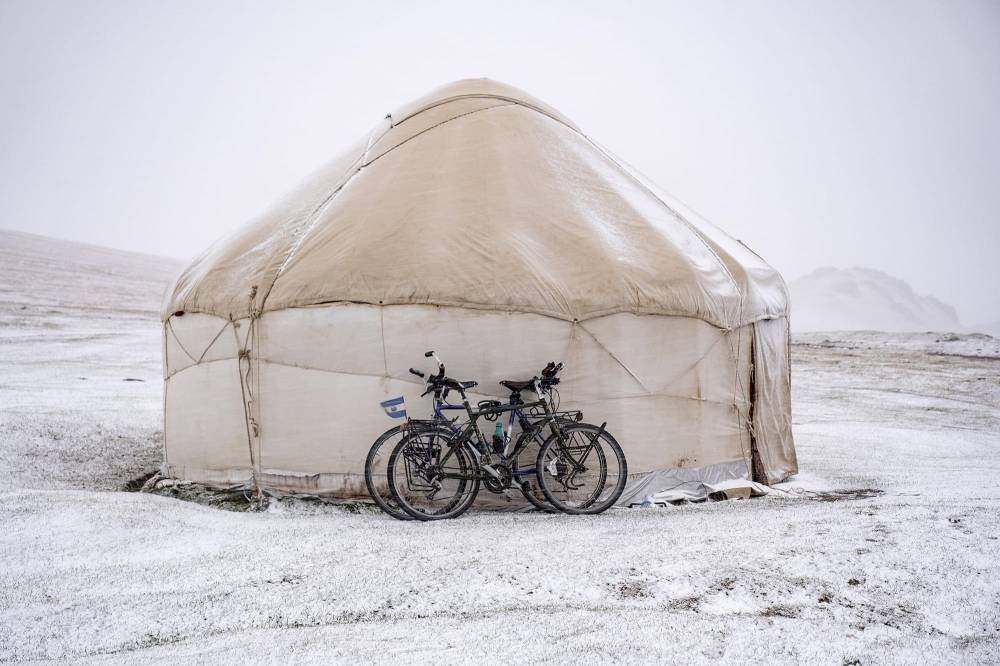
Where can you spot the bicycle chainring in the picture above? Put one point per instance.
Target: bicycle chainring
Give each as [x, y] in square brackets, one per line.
[495, 485]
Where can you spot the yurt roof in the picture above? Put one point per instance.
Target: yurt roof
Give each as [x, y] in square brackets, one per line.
[478, 195]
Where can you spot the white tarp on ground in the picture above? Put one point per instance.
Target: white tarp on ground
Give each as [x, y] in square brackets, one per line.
[483, 224]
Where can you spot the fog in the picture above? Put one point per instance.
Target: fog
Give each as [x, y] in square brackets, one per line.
[821, 133]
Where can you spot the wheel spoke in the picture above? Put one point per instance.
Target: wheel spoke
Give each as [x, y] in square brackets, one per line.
[582, 469]
[432, 475]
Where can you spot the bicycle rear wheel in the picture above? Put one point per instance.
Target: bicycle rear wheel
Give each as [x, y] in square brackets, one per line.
[377, 466]
[432, 476]
[582, 472]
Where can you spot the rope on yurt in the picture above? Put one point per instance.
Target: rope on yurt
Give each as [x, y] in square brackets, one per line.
[166, 388]
[257, 392]
[617, 360]
[248, 379]
[503, 98]
[210, 344]
[435, 126]
[169, 327]
[709, 350]
[179, 343]
[201, 357]
[302, 231]
[381, 326]
[744, 420]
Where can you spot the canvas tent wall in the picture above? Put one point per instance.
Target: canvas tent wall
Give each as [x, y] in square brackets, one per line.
[479, 222]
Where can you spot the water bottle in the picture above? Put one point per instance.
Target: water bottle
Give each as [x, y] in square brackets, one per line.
[498, 438]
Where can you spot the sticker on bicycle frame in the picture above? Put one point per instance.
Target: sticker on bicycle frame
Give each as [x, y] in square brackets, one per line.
[394, 408]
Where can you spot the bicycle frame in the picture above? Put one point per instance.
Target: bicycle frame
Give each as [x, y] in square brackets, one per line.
[478, 445]
[497, 462]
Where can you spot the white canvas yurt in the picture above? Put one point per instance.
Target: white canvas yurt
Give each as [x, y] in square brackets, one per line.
[479, 222]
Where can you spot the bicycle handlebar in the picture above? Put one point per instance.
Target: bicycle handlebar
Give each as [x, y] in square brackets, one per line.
[549, 373]
[439, 382]
[440, 363]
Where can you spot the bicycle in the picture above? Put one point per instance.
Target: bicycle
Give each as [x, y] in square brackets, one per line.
[436, 474]
[524, 474]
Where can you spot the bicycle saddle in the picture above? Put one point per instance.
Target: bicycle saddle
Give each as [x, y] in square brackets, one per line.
[455, 384]
[516, 385]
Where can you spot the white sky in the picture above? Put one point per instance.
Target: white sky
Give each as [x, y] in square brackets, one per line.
[820, 133]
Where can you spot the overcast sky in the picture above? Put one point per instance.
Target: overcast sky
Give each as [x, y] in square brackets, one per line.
[819, 133]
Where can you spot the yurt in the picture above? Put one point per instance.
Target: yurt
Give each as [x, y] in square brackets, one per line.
[481, 223]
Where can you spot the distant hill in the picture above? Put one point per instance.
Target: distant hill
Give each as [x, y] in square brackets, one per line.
[991, 328]
[853, 299]
[37, 271]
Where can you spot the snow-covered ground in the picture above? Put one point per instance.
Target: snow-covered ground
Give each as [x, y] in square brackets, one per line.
[895, 561]
[80, 363]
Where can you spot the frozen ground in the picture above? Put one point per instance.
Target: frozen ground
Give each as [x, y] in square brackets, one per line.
[91, 574]
[80, 363]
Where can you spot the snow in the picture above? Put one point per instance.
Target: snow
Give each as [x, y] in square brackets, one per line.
[884, 549]
[77, 322]
[973, 345]
[834, 299]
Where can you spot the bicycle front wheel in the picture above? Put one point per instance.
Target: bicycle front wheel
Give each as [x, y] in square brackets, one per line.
[524, 468]
[432, 475]
[581, 469]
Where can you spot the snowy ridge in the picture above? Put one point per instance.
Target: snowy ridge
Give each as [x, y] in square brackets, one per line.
[970, 345]
[39, 271]
[835, 299]
[988, 327]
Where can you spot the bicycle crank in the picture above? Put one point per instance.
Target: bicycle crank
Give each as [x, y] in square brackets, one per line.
[501, 479]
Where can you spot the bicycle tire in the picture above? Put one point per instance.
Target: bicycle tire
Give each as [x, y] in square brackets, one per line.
[598, 500]
[385, 500]
[530, 488]
[468, 487]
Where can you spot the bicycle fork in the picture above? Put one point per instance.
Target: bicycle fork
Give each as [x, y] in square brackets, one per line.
[563, 461]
